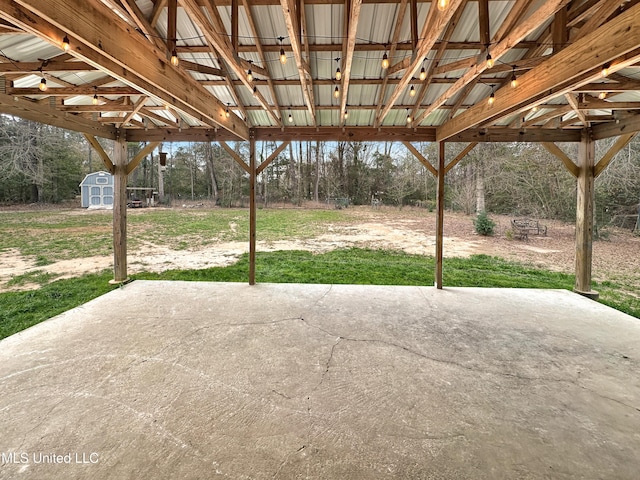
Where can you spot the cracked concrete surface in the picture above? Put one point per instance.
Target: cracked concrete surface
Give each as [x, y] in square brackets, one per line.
[213, 380]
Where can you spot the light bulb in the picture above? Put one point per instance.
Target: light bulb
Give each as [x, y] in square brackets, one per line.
[385, 61]
[514, 81]
[65, 43]
[338, 74]
[249, 76]
[442, 5]
[605, 69]
[43, 85]
[290, 118]
[423, 74]
[412, 91]
[602, 95]
[336, 92]
[174, 58]
[534, 109]
[283, 57]
[489, 61]
[346, 114]
[409, 119]
[227, 113]
[95, 99]
[492, 99]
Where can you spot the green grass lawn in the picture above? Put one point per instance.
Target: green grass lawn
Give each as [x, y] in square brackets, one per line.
[19, 310]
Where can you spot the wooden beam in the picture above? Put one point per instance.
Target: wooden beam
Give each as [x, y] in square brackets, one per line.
[136, 108]
[172, 19]
[235, 156]
[354, 16]
[421, 158]
[157, 11]
[573, 102]
[604, 162]
[30, 110]
[356, 134]
[234, 25]
[93, 141]
[133, 164]
[460, 156]
[51, 66]
[433, 27]
[217, 38]
[584, 215]
[630, 124]
[143, 24]
[440, 215]
[559, 31]
[577, 60]
[483, 22]
[100, 39]
[605, 9]
[293, 29]
[272, 157]
[413, 18]
[528, 26]
[196, 67]
[557, 152]
[252, 211]
[119, 212]
[402, 7]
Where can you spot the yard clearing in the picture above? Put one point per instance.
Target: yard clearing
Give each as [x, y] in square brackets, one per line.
[42, 244]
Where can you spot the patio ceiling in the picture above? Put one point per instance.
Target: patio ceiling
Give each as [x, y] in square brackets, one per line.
[115, 76]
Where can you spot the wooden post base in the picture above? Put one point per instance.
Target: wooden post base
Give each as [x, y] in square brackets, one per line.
[593, 295]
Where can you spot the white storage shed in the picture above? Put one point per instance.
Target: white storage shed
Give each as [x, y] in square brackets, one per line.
[97, 190]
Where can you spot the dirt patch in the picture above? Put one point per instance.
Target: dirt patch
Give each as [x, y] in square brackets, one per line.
[409, 230]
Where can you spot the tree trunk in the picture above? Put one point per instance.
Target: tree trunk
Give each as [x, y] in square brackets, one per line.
[316, 185]
[480, 204]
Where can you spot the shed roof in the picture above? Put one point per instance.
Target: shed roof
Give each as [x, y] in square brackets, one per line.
[116, 78]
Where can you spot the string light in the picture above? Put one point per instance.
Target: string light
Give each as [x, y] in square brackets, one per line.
[605, 69]
[174, 58]
[489, 60]
[290, 118]
[336, 92]
[385, 61]
[43, 85]
[338, 71]
[255, 91]
[249, 72]
[602, 95]
[65, 43]
[94, 100]
[412, 91]
[227, 113]
[534, 109]
[423, 74]
[346, 113]
[443, 5]
[283, 57]
[409, 118]
[514, 80]
[492, 97]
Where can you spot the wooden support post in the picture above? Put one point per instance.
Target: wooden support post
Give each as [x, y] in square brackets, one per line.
[584, 215]
[440, 216]
[252, 210]
[119, 212]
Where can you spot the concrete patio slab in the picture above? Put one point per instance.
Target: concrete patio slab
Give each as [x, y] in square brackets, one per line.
[187, 380]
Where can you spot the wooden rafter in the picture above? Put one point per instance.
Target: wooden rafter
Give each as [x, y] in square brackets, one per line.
[218, 40]
[577, 62]
[434, 25]
[354, 16]
[293, 29]
[99, 39]
[518, 33]
[136, 108]
[143, 24]
[402, 7]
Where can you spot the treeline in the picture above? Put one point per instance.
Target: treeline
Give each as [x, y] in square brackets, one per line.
[39, 163]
